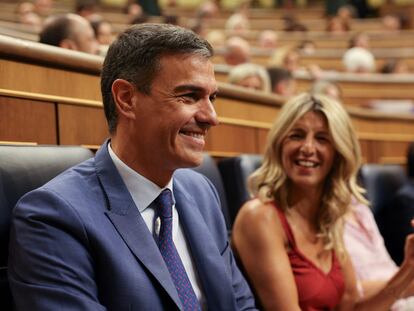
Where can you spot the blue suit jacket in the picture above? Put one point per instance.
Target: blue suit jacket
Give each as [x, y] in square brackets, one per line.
[80, 243]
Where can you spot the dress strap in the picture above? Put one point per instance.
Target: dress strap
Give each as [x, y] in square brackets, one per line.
[286, 226]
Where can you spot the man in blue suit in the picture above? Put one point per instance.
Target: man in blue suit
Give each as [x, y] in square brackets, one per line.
[93, 238]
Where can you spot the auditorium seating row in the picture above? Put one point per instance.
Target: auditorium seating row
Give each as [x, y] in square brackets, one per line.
[71, 113]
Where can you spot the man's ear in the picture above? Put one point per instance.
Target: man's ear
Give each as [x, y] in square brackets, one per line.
[124, 97]
[68, 44]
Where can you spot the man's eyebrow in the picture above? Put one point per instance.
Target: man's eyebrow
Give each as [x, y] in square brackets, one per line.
[191, 88]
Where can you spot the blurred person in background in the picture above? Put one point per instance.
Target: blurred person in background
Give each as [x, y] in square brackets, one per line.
[372, 263]
[237, 51]
[360, 39]
[268, 39]
[395, 22]
[25, 13]
[395, 65]
[359, 60]
[337, 26]
[216, 38]
[69, 31]
[281, 81]
[43, 7]
[307, 47]
[346, 13]
[87, 9]
[103, 31]
[150, 7]
[395, 218]
[286, 57]
[237, 25]
[251, 76]
[328, 88]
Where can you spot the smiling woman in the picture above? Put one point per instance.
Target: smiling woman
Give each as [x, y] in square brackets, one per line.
[293, 227]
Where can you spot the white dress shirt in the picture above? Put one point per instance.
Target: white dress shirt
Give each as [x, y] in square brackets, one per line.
[144, 192]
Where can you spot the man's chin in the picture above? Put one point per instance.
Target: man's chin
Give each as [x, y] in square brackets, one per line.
[192, 160]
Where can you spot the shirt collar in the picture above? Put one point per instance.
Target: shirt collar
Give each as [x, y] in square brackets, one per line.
[142, 190]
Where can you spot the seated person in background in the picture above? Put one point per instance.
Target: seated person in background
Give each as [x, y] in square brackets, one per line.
[25, 12]
[346, 13]
[69, 31]
[236, 51]
[150, 7]
[395, 218]
[87, 9]
[237, 25]
[372, 263]
[337, 26]
[103, 31]
[293, 226]
[394, 65]
[43, 7]
[268, 39]
[327, 88]
[307, 47]
[291, 24]
[281, 81]
[360, 39]
[207, 10]
[359, 60]
[286, 57]
[128, 229]
[251, 76]
[135, 12]
[216, 38]
[173, 20]
[392, 23]
[198, 26]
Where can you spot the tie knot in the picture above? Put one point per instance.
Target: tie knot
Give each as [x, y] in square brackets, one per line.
[164, 203]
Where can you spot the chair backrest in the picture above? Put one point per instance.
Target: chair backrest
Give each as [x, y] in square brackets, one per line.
[235, 172]
[22, 169]
[381, 183]
[410, 161]
[209, 169]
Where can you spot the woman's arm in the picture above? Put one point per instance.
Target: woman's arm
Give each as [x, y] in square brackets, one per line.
[259, 240]
[388, 294]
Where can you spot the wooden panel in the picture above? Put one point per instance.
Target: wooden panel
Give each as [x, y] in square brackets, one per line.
[366, 151]
[362, 93]
[44, 80]
[262, 139]
[27, 121]
[229, 138]
[244, 110]
[393, 152]
[81, 125]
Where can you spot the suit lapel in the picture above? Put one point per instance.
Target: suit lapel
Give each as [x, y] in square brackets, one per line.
[127, 220]
[205, 253]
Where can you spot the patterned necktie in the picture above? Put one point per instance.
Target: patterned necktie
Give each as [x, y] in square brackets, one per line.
[169, 253]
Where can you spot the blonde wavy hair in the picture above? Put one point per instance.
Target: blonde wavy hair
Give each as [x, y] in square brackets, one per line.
[270, 182]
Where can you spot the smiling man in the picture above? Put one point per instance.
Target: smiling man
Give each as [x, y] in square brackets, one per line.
[129, 229]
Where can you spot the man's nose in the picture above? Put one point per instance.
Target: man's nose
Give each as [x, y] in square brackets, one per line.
[207, 113]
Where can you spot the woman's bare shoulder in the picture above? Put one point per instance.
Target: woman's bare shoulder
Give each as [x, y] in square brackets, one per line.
[257, 218]
[258, 210]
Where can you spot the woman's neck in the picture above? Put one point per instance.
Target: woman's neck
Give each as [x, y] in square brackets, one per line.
[305, 203]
